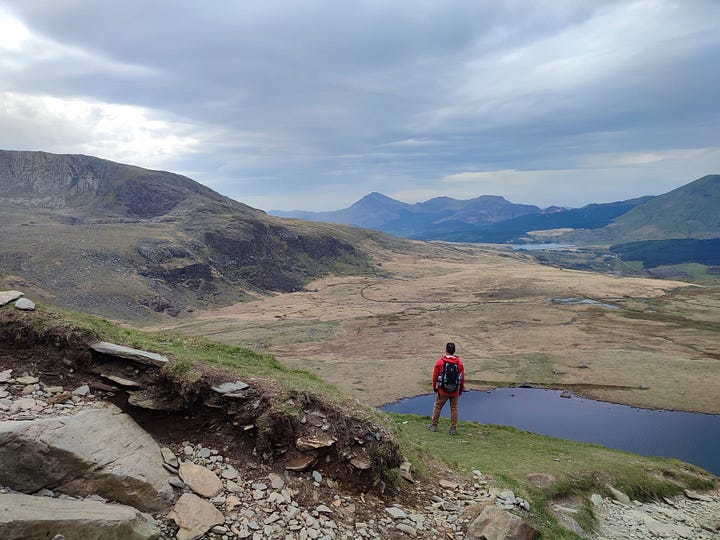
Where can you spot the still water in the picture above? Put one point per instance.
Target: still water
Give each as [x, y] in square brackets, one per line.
[541, 247]
[691, 437]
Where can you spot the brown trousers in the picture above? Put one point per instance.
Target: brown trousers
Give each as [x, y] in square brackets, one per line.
[440, 403]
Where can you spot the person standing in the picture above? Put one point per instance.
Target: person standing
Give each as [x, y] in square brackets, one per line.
[448, 381]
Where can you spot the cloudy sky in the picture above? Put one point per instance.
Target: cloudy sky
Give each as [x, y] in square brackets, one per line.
[312, 104]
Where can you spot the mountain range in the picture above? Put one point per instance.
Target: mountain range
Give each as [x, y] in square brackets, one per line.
[127, 242]
[687, 212]
[377, 211]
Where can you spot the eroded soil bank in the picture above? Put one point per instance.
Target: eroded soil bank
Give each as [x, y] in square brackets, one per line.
[289, 429]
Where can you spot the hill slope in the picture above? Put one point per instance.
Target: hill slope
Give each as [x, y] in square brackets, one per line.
[690, 211]
[591, 216]
[124, 241]
[377, 211]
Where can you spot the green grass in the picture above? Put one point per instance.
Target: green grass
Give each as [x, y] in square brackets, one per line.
[505, 454]
[187, 352]
[509, 455]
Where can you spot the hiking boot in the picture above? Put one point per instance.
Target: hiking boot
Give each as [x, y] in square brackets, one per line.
[453, 431]
[432, 427]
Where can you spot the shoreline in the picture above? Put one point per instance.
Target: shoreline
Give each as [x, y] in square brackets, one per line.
[573, 389]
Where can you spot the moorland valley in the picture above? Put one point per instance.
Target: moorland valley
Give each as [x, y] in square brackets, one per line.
[157, 251]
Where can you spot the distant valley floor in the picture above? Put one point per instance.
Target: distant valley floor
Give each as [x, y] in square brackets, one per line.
[378, 337]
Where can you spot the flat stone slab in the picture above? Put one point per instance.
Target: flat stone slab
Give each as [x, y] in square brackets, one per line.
[194, 516]
[25, 516]
[230, 387]
[99, 451]
[311, 443]
[122, 381]
[128, 353]
[300, 464]
[9, 296]
[201, 480]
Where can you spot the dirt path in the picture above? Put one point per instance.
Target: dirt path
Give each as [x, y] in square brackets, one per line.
[377, 337]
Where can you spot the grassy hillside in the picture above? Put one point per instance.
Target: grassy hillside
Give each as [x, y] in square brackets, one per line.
[508, 457]
[690, 211]
[592, 216]
[654, 253]
[126, 242]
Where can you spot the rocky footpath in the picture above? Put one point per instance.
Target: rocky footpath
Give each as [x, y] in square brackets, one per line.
[98, 440]
[694, 516]
[75, 464]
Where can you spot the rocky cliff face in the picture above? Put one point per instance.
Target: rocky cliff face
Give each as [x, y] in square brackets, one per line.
[42, 180]
[123, 241]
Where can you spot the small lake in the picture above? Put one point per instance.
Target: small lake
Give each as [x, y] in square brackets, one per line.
[540, 247]
[691, 437]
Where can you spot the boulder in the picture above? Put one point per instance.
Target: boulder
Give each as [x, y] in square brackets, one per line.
[9, 296]
[24, 304]
[194, 516]
[618, 495]
[24, 517]
[201, 480]
[137, 355]
[494, 523]
[98, 451]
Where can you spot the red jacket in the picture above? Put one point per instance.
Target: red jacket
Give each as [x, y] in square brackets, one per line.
[438, 370]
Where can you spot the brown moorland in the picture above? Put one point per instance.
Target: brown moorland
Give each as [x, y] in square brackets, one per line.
[377, 338]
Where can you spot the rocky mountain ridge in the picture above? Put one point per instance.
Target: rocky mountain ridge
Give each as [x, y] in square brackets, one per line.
[129, 243]
[685, 212]
[379, 212]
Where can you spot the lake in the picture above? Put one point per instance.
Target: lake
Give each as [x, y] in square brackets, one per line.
[691, 437]
[541, 247]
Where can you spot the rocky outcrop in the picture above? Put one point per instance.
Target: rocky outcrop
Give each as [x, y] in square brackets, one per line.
[192, 246]
[24, 517]
[99, 451]
[694, 516]
[497, 524]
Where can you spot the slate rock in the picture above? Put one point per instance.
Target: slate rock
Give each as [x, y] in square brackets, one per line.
[81, 391]
[194, 516]
[311, 443]
[97, 451]
[25, 517]
[9, 296]
[496, 524]
[396, 513]
[128, 353]
[24, 304]
[169, 457]
[618, 495]
[695, 496]
[230, 387]
[200, 479]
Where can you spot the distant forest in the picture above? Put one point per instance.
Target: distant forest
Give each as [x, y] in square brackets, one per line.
[655, 253]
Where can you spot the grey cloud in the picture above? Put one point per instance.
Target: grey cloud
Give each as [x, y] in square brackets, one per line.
[324, 86]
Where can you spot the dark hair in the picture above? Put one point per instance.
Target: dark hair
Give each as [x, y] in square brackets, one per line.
[450, 348]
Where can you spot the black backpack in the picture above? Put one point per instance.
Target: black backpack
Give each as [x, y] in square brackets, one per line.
[450, 377]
